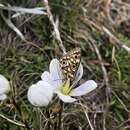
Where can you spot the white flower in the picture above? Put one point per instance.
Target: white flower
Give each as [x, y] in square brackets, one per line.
[40, 94]
[4, 87]
[64, 89]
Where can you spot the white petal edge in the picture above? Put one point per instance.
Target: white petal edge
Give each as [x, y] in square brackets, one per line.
[4, 85]
[55, 73]
[46, 77]
[35, 97]
[49, 88]
[84, 88]
[40, 94]
[3, 97]
[66, 98]
[79, 75]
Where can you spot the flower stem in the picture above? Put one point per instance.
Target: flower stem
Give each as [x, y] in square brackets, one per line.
[60, 115]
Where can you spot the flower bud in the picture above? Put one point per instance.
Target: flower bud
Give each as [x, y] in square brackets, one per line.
[40, 94]
[4, 87]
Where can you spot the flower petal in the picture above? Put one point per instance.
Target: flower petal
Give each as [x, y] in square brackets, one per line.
[55, 73]
[43, 84]
[84, 88]
[65, 98]
[3, 97]
[79, 74]
[40, 94]
[46, 77]
[4, 85]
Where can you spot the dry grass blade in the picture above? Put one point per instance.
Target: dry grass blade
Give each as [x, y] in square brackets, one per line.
[37, 10]
[12, 26]
[11, 121]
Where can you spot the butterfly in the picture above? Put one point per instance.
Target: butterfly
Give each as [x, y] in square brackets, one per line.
[69, 63]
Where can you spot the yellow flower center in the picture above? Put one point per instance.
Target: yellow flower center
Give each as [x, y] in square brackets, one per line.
[66, 88]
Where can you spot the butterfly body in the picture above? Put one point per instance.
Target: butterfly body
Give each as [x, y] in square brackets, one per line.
[69, 63]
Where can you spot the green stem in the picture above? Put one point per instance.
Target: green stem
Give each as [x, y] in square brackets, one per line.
[20, 113]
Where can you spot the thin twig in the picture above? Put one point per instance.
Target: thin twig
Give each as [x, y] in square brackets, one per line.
[103, 29]
[89, 120]
[90, 124]
[108, 90]
[55, 26]
[121, 125]
[11, 121]
[121, 102]
[102, 64]
[116, 40]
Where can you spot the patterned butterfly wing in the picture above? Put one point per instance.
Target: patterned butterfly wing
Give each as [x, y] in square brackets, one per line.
[69, 63]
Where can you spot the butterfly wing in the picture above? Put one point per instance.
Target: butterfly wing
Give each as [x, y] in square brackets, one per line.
[69, 63]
